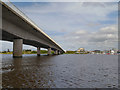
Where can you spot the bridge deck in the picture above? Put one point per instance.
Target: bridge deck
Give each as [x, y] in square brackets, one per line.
[13, 15]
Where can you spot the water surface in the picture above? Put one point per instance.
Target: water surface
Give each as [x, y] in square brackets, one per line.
[60, 71]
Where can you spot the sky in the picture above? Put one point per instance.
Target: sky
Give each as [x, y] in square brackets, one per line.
[90, 25]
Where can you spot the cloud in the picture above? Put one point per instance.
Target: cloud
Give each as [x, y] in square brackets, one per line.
[81, 32]
[104, 38]
[63, 0]
[74, 25]
[69, 16]
[54, 16]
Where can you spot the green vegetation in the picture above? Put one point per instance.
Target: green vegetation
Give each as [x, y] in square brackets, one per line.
[74, 52]
[27, 52]
[5, 52]
[42, 52]
[70, 52]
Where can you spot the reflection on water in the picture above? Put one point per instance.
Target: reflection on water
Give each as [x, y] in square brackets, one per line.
[60, 71]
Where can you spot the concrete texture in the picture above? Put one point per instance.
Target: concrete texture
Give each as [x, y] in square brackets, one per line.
[38, 51]
[49, 51]
[17, 47]
[56, 52]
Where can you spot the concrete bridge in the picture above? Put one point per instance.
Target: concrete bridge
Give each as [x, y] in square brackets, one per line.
[19, 29]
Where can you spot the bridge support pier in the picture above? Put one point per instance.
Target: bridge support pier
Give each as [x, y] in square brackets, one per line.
[49, 51]
[38, 51]
[56, 52]
[17, 48]
[59, 53]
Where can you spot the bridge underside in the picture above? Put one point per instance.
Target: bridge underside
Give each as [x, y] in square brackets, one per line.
[10, 37]
[14, 26]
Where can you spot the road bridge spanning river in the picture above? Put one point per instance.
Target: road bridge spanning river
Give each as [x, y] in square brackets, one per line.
[19, 29]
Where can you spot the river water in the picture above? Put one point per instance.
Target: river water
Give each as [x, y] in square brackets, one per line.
[60, 71]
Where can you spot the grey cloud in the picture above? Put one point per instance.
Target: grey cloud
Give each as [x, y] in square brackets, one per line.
[72, 18]
[87, 4]
[98, 39]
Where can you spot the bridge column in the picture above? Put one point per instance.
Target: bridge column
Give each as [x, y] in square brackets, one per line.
[56, 52]
[49, 51]
[38, 51]
[17, 48]
[59, 52]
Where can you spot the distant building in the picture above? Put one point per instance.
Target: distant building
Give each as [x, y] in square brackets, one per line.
[81, 50]
[107, 51]
[113, 51]
[92, 52]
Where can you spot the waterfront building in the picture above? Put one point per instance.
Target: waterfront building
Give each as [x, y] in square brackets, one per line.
[81, 50]
[113, 51]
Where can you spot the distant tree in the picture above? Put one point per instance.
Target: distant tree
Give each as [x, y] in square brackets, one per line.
[33, 52]
[8, 50]
[27, 50]
[3, 51]
[70, 52]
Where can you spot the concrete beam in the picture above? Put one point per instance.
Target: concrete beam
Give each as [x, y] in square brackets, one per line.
[49, 51]
[38, 51]
[17, 48]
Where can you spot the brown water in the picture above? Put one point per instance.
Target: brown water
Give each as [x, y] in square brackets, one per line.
[60, 71]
